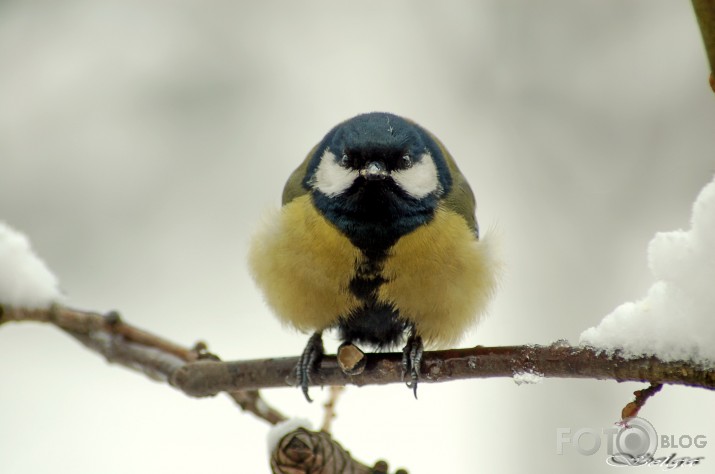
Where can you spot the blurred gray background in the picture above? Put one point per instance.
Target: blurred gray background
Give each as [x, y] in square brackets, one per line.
[141, 143]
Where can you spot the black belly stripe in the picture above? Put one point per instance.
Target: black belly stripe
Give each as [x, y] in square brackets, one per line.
[367, 280]
[374, 323]
[377, 325]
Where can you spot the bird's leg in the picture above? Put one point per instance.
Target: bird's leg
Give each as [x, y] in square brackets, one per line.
[309, 361]
[412, 360]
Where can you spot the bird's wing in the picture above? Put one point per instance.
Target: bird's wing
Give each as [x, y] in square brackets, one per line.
[460, 198]
[294, 186]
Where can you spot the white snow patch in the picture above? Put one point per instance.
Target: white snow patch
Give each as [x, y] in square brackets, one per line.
[279, 430]
[675, 319]
[521, 378]
[25, 280]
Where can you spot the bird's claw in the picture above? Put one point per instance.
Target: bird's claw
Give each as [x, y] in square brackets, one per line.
[308, 362]
[412, 361]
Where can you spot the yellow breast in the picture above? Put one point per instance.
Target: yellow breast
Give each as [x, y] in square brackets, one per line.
[439, 277]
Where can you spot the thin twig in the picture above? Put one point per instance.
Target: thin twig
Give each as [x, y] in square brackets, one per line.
[329, 406]
[127, 345]
[642, 396]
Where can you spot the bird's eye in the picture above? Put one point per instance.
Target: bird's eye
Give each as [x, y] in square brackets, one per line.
[345, 160]
[405, 161]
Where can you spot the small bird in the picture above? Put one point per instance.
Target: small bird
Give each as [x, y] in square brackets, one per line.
[377, 238]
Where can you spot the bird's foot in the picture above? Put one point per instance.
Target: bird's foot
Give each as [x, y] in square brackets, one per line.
[412, 361]
[308, 362]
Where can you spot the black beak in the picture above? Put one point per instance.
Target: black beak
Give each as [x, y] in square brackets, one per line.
[373, 171]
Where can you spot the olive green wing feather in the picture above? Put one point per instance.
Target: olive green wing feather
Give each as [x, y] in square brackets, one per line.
[294, 186]
[460, 198]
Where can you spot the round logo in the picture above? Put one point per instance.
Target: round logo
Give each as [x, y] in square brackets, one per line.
[637, 438]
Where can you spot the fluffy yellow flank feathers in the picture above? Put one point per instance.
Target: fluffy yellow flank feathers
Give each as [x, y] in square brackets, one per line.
[304, 265]
[440, 277]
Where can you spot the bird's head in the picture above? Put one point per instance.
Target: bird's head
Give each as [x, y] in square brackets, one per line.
[377, 172]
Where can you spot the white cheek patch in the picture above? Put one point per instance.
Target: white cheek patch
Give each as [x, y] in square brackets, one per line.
[330, 178]
[419, 180]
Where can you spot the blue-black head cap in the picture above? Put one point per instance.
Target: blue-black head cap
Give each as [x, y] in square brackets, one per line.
[382, 135]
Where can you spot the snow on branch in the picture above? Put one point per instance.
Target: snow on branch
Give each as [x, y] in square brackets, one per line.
[674, 320]
[25, 280]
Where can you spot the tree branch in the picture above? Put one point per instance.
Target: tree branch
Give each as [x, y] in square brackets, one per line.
[205, 378]
[134, 348]
[198, 373]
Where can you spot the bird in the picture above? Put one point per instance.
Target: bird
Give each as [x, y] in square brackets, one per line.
[377, 239]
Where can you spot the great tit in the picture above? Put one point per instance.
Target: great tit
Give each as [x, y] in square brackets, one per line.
[377, 238]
